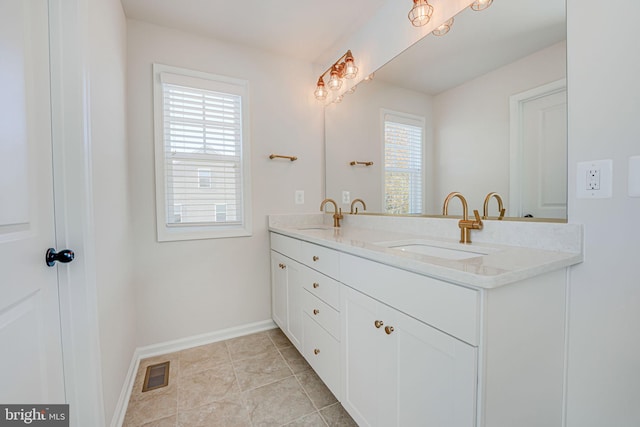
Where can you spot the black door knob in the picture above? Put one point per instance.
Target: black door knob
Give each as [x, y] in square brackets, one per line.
[63, 256]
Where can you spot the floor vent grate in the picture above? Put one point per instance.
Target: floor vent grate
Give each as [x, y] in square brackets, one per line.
[157, 376]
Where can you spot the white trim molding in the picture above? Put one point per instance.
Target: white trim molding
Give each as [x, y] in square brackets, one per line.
[68, 20]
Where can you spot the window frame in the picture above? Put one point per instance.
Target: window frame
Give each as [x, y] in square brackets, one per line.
[413, 120]
[186, 231]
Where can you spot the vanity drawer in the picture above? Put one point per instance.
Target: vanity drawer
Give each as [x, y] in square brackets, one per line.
[322, 351]
[322, 313]
[323, 287]
[285, 245]
[446, 306]
[320, 258]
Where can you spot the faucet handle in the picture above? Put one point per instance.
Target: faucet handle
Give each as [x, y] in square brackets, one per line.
[477, 224]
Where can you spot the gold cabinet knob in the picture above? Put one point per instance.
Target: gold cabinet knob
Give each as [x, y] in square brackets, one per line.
[316, 285]
[282, 266]
[378, 323]
[388, 329]
[316, 258]
[316, 311]
[316, 351]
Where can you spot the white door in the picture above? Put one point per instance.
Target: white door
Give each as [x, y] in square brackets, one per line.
[31, 350]
[540, 120]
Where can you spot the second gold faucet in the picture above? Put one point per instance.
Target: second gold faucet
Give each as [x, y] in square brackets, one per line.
[337, 213]
[465, 223]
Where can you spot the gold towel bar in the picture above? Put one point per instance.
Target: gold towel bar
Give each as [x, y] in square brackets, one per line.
[274, 156]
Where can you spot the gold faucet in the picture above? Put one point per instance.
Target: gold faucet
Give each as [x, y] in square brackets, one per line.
[353, 203]
[337, 213]
[465, 223]
[501, 209]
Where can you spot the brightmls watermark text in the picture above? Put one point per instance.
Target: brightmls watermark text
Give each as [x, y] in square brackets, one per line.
[34, 415]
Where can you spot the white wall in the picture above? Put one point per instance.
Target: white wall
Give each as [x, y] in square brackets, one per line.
[472, 127]
[107, 103]
[604, 324]
[353, 132]
[195, 287]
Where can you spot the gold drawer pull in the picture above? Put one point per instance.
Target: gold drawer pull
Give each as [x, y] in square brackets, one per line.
[315, 258]
[316, 311]
[282, 266]
[316, 285]
[388, 329]
[378, 323]
[316, 351]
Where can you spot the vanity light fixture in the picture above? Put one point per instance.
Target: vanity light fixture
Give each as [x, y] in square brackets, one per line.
[343, 68]
[480, 4]
[443, 28]
[420, 13]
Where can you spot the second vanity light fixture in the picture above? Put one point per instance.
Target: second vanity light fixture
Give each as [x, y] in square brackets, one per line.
[343, 68]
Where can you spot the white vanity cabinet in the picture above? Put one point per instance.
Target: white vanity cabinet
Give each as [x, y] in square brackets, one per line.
[399, 371]
[399, 348]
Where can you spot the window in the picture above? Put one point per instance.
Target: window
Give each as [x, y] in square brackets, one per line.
[403, 162]
[204, 178]
[202, 155]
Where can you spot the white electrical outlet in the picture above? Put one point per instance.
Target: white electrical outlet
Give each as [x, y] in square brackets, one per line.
[346, 197]
[594, 179]
[299, 197]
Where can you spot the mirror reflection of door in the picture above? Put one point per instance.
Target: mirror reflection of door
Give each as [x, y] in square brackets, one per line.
[539, 152]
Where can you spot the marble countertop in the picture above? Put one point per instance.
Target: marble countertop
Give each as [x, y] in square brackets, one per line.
[495, 265]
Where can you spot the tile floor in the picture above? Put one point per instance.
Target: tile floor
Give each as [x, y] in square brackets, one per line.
[258, 380]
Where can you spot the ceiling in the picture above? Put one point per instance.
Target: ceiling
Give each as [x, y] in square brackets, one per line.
[478, 42]
[294, 28]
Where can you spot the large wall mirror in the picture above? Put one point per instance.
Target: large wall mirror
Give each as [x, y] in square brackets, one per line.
[481, 109]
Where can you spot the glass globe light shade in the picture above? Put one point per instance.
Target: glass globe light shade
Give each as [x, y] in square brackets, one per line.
[350, 69]
[420, 13]
[443, 29]
[335, 82]
[321, 91]
[481, 4]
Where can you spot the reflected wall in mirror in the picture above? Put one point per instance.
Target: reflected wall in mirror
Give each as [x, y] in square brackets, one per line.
[486, 104]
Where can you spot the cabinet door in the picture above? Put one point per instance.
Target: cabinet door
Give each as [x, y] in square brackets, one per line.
[360, 343]
[279, 290]
[401, 372]
[286, 297]
[427, 377]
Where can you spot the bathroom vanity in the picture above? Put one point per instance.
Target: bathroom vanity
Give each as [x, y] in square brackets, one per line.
[408, 327]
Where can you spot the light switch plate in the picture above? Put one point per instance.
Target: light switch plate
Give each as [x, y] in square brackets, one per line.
[299, 197]
[594, 179]
[346, 197]
[634, 176]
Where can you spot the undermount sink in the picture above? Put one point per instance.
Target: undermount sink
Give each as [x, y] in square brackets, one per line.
[314, 227]
[436, 249]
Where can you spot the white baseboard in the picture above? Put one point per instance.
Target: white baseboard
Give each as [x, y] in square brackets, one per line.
[177, 345]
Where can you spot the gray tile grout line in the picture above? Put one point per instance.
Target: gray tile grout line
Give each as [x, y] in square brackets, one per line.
[242, 393]
[295, 375]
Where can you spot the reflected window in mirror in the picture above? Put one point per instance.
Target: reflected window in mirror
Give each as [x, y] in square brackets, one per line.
[403, 162]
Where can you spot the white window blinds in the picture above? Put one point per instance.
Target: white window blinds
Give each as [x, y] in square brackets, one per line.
[403, 163]
[203, 154]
